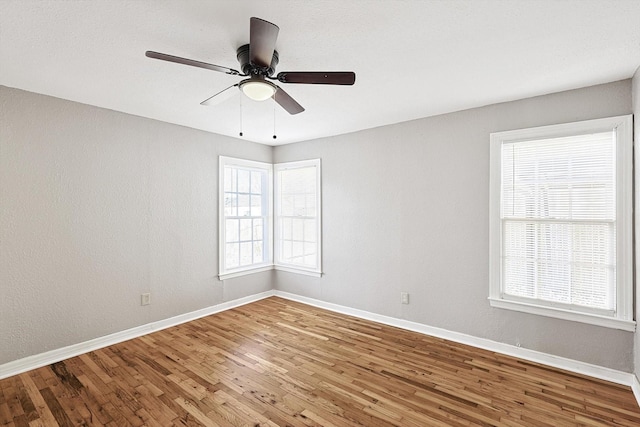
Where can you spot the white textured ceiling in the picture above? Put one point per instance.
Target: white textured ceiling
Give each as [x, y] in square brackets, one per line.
[412, 58]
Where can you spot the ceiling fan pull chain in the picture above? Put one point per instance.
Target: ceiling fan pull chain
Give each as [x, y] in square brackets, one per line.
[240, 116]
[274, 121]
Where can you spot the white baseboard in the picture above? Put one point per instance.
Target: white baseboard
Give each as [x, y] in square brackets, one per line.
[571, 365]
[635, 387]
[43, 359]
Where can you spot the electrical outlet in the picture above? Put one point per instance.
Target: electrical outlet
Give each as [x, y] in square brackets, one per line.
[404, 298]
[145, 299]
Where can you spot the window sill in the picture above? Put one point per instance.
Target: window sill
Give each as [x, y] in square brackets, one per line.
[240, 273]
[298, 271]
[607, 322]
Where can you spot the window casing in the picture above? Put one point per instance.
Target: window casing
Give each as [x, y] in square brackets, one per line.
[561, 221]
[245, 217]
[298, 217]
[246, 221]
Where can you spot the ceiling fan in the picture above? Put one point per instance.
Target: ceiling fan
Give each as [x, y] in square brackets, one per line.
[258, 61]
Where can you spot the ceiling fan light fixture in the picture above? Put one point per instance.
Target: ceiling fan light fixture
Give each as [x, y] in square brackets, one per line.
[258, 90]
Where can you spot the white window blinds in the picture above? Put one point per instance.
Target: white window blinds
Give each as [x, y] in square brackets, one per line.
[558, 219]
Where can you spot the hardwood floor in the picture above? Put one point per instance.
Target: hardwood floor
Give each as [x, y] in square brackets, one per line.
[280, 363]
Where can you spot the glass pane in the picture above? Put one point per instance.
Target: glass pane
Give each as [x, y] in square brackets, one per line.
[310, 230]
[311, 204]
[297, 250]
[256, 182]
[245, 230]
[227, 178]
[310, 248]
[286, 208]
[232, 259]
[286, 250]
[256, 205]
[569, 177]
[243, 180]
[244, 207]
[299, 206]
[257, 252]
[230, 204]
[298, 229]
[231, 230]
[246, 253]
[257, 229]
[286, 228]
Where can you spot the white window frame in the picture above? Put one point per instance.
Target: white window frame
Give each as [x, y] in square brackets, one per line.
[267, 263]
[622, 125]
[279, 263]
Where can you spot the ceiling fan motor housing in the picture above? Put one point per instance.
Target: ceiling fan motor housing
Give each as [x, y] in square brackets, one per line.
[251, 69]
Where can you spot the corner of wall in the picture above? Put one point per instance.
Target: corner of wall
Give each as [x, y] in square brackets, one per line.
[635, 108]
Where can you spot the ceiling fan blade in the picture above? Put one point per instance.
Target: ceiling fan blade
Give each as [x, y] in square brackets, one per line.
[262, 41]
[318, 77]
[287, 102]
[220, 97]
[193, 63]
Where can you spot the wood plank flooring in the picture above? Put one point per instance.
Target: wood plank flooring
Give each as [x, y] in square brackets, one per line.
[280, 363]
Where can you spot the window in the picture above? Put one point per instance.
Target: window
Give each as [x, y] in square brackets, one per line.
[297, 213]
[246, 200]
[245, 217]
[561, 221]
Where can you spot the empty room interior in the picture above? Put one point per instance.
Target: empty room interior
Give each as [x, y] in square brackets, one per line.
[327, 213]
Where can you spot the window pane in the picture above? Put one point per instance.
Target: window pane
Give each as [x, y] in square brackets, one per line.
[310, 230]
[230, 204]
[287, 228]
[257, 229]
[286, 205]
[299, 205]
[286, 250]
[246, 253]
[298, 229]
[297, 249]
[256, 205]
[232, 230]
[310, 249]
[257, 252]
[311, 204]
[227, 178]
[244, 205]
[243, 181]
[560, 178]
[245, 230]
[256, 182]
[232, 251]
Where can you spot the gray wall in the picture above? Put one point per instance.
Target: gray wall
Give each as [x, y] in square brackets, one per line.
[98, 207]
[406, 208]
[636, 120]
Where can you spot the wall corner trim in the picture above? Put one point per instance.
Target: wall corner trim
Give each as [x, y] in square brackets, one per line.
[43, 359]
[576, 366]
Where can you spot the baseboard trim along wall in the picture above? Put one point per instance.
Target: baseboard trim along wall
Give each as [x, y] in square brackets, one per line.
[36, 361]
[635, 387]
[43, 359]
[571, 365]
